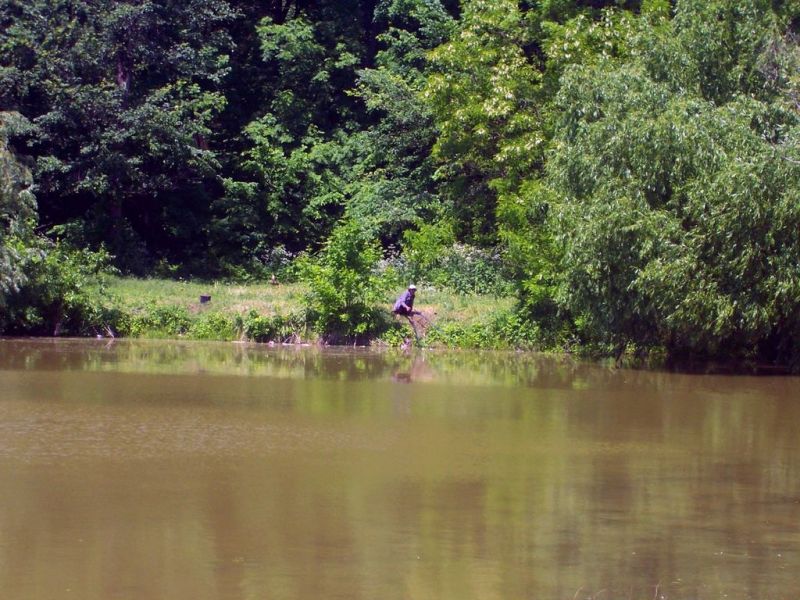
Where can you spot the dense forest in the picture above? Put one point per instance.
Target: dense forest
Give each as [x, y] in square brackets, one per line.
[629, 170]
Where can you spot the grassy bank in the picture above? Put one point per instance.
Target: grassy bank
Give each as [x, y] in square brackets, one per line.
[140, 295]
[160, 308]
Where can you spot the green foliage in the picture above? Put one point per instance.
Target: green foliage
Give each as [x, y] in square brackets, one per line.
[714, 48]
[316, 64]
[678, 207]
[343, 283]
[158, 321]
[423, 247]
[431, 255]
[503, 330]
[213, 326]
[56, 290]
[17, 210]
[45, 288]
[122, 96]
[17, 203]
[395, 184]
[525, 227]
[568, 34]
[394, 334]
[584, 40]
[483, 94]
[275, 328]
[296, 193]
[291, 177]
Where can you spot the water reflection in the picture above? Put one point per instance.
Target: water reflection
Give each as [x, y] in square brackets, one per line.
[345, 364]
[153, 356]
[171, 470]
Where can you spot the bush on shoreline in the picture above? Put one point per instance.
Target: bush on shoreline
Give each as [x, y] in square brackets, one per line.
[57, 291]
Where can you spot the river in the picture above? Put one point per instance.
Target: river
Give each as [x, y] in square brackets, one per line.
[185, 470]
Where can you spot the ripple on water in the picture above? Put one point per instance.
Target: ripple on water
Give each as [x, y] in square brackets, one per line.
[56, 432]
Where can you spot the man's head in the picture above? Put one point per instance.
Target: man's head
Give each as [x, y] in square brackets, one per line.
[412, 288]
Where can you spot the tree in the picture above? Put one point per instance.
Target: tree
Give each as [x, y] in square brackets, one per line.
[559, 35]
[677, 202]
[44, 287]
[394, 187]
[483, 95]
[287, 185]
[122, 96]
[17, 209]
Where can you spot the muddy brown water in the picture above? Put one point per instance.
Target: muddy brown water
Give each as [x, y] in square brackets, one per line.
[169, 470]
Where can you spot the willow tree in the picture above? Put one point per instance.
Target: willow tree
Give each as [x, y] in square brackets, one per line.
[677, 187]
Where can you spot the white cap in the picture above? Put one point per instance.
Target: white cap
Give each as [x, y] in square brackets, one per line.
[412, 287]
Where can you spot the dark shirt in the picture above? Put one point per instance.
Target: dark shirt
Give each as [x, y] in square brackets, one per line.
[406, 298]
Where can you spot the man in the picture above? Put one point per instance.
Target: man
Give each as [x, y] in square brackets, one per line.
[405, 303]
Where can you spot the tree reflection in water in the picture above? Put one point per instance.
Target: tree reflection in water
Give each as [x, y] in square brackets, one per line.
[325, 472]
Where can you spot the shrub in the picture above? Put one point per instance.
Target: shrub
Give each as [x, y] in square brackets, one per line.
[502, 330]
[55, 290]
[431, 255]
[277, 328]
[394, 334]
[213, 326]
[158, 321]
[343, 284]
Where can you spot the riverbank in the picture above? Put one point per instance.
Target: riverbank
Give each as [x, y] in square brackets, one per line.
[105, 306]
[266, 312]
[276, 313]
